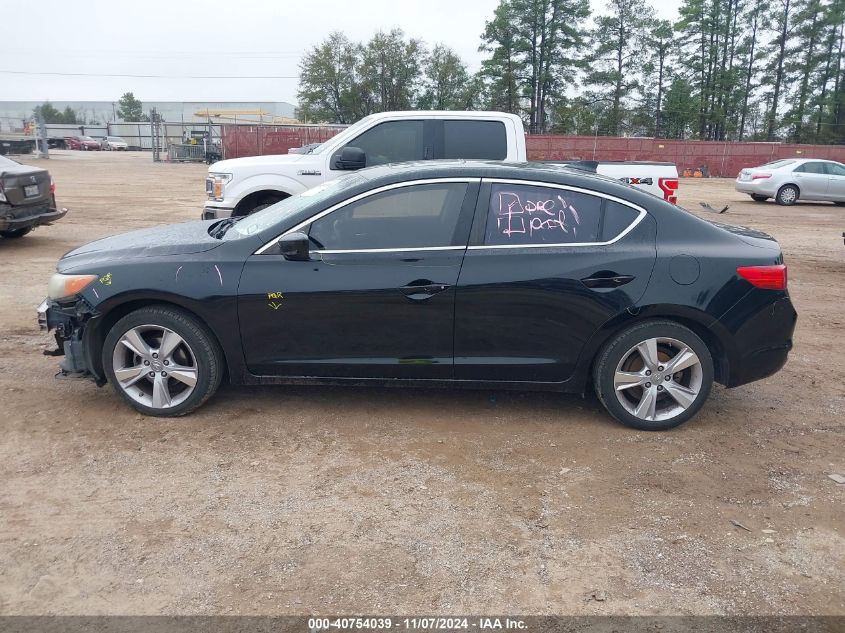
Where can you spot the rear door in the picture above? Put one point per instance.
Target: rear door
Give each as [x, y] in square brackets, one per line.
[377, 298]
[547, 265]
[812, 179]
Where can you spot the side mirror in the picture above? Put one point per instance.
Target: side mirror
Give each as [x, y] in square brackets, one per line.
[295, 247]
[351, 158]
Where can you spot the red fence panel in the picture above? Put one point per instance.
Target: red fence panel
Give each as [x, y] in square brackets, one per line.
[257, 140]
[724, 159]
[719, 158]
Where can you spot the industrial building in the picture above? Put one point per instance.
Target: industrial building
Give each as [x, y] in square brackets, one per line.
[14, 113]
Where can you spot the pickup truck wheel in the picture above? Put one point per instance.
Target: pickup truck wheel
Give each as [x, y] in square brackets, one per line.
[162, 361]
[654, 376]
[15, 233]
[268, 200]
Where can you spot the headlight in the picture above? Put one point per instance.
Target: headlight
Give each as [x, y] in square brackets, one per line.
[218, 182]
[63, 286]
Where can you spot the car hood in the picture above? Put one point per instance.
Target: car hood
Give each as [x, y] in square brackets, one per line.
[171, 239]
[226, 166]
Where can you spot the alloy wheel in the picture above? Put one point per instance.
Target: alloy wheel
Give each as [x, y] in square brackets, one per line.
[658, 379]
[155, 366]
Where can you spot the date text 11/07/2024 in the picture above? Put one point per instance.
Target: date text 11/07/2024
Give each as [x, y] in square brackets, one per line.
[415, 624]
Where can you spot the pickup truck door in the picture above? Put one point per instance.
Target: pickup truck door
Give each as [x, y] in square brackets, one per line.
[545, 268]
[812, 179]
[377, 298]
[389, 142]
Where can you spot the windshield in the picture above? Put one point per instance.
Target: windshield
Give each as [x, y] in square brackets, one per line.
[345, 135]
[288, 207]
[116, 138]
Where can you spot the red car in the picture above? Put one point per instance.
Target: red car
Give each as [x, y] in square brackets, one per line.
[82, 142]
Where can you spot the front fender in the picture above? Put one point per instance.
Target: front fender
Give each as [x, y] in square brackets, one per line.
[261, 182]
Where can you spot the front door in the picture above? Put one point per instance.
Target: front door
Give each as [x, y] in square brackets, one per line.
[546, 267]
[836, 182]
[377, 298]
[812, 179]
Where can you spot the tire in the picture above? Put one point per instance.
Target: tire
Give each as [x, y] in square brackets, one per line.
[619, 363]
[757, 198]
[194, 355]
[787, 195]
[14, 234]
[839, 204]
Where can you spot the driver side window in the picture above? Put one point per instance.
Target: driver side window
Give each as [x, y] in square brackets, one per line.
[391, 142]
[416, 216]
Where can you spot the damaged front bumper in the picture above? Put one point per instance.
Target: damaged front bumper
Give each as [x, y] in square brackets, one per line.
[67, 321]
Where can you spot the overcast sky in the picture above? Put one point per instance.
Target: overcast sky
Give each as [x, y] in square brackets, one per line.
[233, 38]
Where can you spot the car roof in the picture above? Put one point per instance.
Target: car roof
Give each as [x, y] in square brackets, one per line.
[538, 171]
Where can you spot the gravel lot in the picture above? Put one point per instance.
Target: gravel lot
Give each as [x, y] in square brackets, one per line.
[312, 500]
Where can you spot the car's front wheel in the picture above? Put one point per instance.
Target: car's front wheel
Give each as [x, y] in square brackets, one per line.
[787, 195]
[162, 361]
[654, 375]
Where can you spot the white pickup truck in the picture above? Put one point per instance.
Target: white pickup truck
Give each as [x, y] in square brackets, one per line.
[241, 186]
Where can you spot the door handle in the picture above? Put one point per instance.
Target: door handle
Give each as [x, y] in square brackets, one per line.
[607, 281]
[422, 289]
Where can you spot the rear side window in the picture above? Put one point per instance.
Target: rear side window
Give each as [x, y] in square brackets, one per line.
[811, 168]
[617, 218]
[475, 139]
[529, 214]
[417, 216]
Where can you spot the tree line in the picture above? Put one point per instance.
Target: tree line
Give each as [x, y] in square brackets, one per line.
[725, 70]
[129, 108]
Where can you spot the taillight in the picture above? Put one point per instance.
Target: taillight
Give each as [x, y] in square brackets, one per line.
[669, 187]
[760, 176]
[770, 277]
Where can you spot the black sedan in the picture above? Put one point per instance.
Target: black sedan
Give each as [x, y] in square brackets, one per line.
[445, 273]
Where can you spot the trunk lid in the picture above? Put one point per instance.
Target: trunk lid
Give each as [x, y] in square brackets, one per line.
[753, 237]
[24, 185]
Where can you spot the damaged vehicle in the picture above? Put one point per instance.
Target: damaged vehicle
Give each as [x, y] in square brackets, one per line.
[443, 273]
[27, 199]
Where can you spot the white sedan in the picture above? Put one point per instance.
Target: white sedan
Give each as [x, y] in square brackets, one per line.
[114, 143]
[789, 180]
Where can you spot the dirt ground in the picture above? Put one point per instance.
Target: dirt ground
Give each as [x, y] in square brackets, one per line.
[284, 500]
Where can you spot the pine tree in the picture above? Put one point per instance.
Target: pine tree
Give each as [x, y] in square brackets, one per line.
[619, 41]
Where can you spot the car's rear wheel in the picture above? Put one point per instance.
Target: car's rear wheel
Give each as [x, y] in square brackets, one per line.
[839, 204]
[757, 198]
[162, 361]
[12, 234]
[787, 195]
[654, 375]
